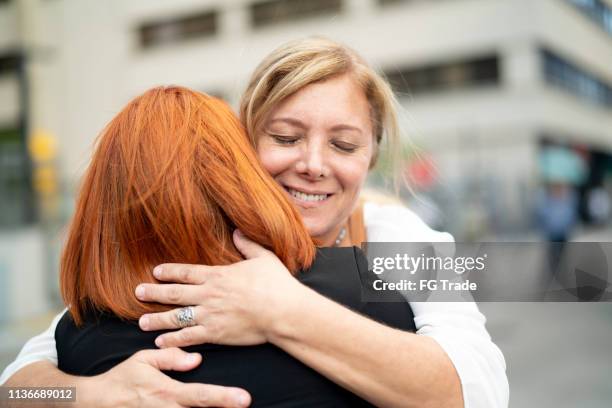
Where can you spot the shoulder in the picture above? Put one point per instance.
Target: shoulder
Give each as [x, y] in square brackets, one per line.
[100, 343]
[336, 274]
[394, 222]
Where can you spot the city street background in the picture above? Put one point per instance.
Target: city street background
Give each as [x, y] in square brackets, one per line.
[506, 116]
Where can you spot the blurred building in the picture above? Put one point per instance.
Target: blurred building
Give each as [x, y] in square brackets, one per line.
[23, 287]
[485, 84]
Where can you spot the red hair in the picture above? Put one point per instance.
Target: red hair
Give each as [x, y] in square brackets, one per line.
[172, 176]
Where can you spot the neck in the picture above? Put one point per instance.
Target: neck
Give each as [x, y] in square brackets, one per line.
[329, 239]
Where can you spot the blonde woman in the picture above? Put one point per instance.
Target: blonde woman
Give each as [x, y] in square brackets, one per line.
[317, 115]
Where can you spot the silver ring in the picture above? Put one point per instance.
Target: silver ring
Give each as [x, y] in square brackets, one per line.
[186, 316]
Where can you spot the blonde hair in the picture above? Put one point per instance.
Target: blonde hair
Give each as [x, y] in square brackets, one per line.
[299, 63]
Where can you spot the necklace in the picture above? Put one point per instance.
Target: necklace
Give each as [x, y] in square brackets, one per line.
[340, 237]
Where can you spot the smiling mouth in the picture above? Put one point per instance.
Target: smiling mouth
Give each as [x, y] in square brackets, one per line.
[305, 197]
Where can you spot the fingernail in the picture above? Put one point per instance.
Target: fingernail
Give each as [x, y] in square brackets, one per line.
[159, 342]
[140, 291]
[157, 271]
[241, 399]
[144, 322]
[192, 357]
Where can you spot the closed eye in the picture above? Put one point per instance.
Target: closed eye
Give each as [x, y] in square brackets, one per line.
[345, 147]
[283, 139]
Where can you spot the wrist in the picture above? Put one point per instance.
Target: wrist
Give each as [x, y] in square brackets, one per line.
[90, 392]
[288, 314]
[87, 392]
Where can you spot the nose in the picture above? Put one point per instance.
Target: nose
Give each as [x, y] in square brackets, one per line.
[312, 162]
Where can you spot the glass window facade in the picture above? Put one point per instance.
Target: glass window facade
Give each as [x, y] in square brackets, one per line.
[445, 76]
[178, 29]
[270, 12]
[596, 10]
[16, 197]
[564, 74]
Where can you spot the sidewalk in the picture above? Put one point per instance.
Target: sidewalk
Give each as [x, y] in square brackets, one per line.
[558, 355]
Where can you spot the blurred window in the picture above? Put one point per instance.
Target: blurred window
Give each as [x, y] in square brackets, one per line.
[596, 10]
[178, 29]
[15, 197]
[564, 74]
[445, 76]
[8, 64]
[387, 2]
[270, 12]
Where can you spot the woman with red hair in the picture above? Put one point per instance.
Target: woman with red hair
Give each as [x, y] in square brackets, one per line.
[173, 177]
[319, 117]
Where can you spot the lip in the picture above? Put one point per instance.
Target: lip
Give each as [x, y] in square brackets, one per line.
[305, 190]
[308, 204]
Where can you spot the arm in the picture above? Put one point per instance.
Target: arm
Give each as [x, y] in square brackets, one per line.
[36, 366]
[418, 370]
[45, 374]
[257, 300]
[386, 366]
[137, 382]
[38, 348]
[459, 328]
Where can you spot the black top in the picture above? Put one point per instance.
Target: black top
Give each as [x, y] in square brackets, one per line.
[273, 377]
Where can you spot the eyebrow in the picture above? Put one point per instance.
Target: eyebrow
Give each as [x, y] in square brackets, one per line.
[290, 121]
[346, 127]
[299, 124]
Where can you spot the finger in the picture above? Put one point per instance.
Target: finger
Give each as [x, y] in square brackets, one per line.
[164, 320]
[189, 336]
[181, 273]
[248, 248]
[173, 359]
[207, 395]
[169, 293]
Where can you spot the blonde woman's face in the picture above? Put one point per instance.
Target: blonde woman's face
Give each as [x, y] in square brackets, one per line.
[318, 145]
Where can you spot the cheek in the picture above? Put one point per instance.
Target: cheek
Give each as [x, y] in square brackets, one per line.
[352, 174]
[275, 161]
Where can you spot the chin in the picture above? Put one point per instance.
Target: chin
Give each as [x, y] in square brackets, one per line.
[315, 229]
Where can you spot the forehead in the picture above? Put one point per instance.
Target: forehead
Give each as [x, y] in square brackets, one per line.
[338, 100]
